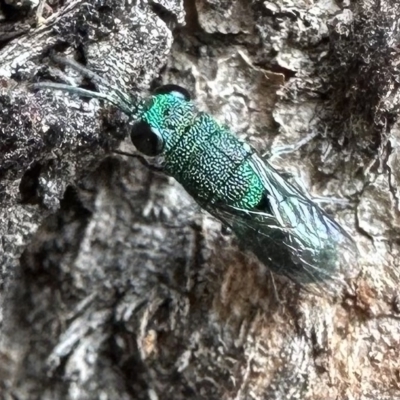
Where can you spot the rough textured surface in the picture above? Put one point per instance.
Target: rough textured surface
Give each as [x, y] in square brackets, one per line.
[113, 283]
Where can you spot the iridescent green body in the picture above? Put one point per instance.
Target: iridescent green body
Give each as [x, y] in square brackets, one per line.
[272, 218]
[202, 155]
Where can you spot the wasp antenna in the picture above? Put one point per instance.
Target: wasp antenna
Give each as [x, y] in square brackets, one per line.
[130, 105]
[85, 93]
[81, 69]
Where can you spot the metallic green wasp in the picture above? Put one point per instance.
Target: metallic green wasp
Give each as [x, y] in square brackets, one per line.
[274, 219]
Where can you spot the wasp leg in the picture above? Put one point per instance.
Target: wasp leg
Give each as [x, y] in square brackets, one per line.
[276, 295]
[143, 161]
[291, 148]
[299, 184]
[332, 200]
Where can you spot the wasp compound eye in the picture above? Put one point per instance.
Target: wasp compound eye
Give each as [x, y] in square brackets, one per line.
[146, 139]
[176, 90]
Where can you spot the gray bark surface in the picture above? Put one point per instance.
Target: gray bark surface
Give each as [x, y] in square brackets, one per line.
[114, 285]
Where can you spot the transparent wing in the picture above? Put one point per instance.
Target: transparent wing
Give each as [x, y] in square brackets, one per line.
[292, 236]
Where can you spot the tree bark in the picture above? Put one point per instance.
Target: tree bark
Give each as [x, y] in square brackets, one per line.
[114, 284]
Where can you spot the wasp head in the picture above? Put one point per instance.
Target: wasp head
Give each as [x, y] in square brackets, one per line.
[163, 117]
